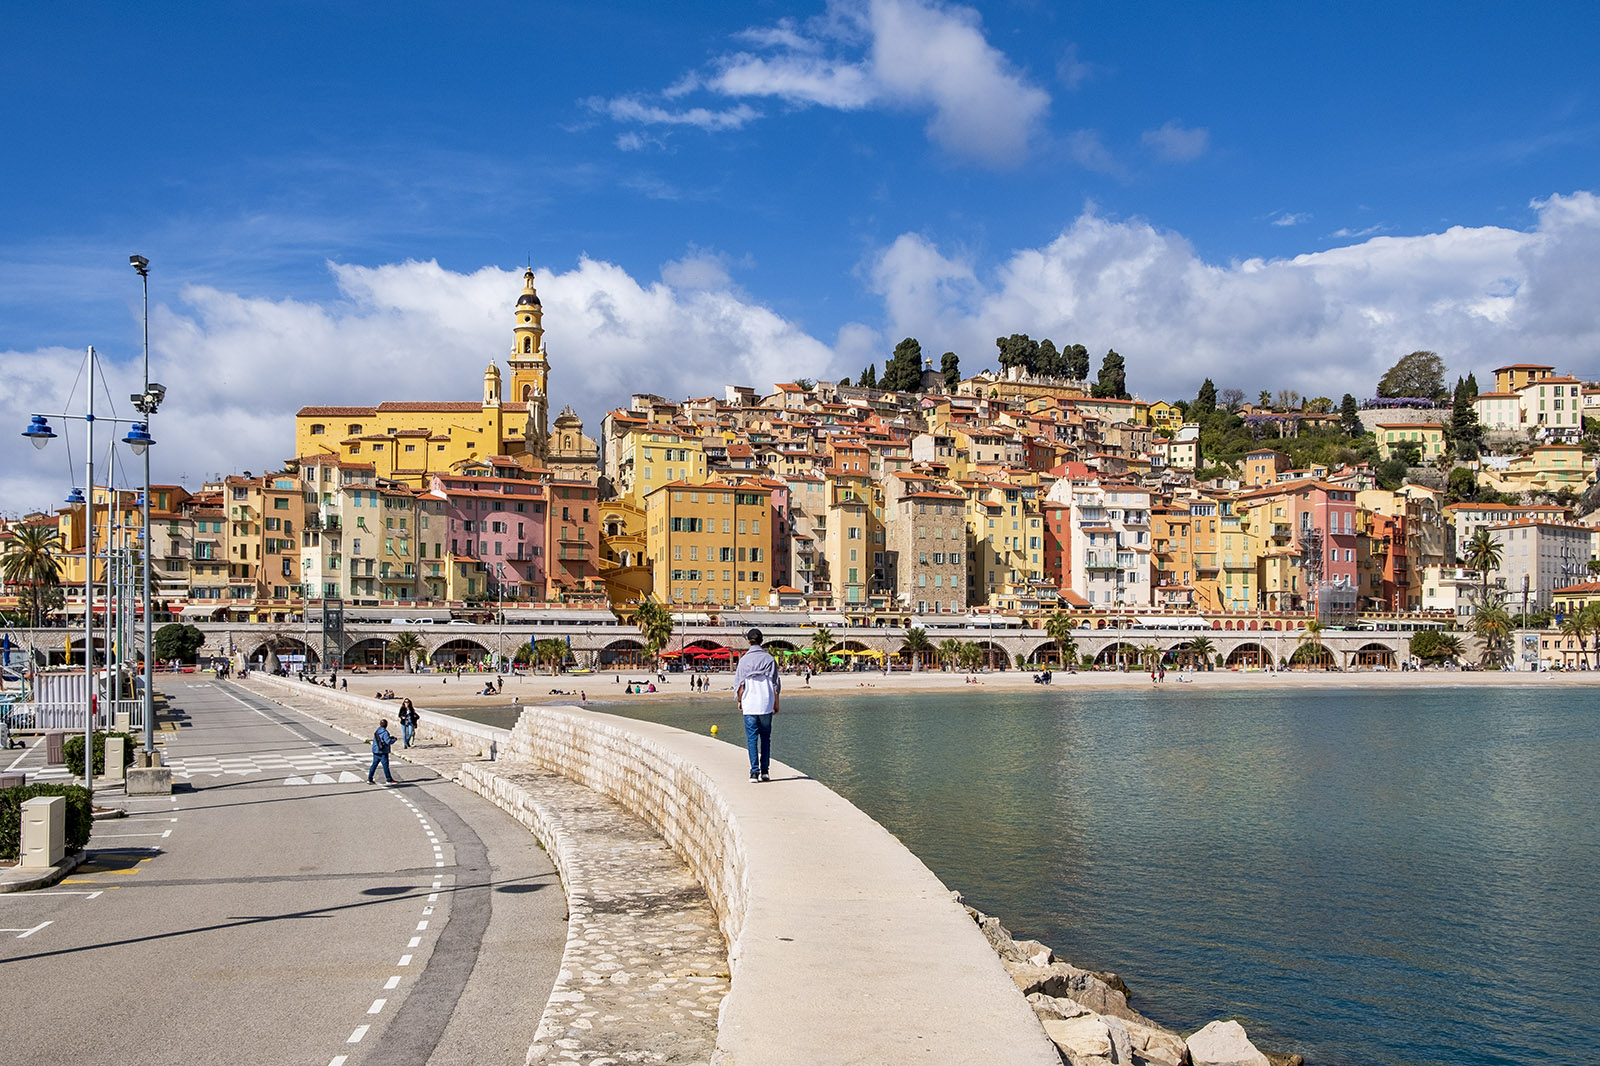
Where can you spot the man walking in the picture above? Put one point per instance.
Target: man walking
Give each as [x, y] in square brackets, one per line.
[756, 687]
[381, 740]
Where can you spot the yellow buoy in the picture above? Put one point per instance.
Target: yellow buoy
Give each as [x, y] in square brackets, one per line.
[713, 729]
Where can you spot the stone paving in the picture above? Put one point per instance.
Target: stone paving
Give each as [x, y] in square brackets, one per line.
[645, 968]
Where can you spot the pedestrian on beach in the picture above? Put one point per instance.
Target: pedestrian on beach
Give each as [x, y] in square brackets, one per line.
[408, 721]
[382, 739]
[756, 686]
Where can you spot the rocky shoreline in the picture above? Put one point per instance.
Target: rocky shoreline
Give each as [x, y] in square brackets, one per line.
[1086, 1014]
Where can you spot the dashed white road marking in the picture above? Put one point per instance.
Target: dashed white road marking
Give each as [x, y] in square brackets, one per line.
[337, 1060]
[392, 983]
[355, 1037]
[414, 942]
[405, 960]
[421, 926]
[377, 1006]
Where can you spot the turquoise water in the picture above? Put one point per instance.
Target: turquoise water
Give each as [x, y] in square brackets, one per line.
[1363, 876]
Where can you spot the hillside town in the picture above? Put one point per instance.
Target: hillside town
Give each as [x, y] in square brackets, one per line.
[1015, 493]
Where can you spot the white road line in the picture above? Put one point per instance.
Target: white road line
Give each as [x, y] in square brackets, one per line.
[35, 929]
[26, 751]
[59, 892]
[414, 942]
[427, 910]
[377, 1005]
[421, 926]
[355, 1037]
[405, 960]
[433, 897]
[439, 864]
[392, 983]
[337, 1060]
[119, 836]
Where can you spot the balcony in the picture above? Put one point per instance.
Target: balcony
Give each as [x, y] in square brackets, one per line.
[1100, 560]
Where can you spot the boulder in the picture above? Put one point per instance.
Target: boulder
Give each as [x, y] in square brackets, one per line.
[1224, 1044]
[1051, 1007]
[1121, 1044]
[1155, 1045]
[1065, 981]
[1082, 1041]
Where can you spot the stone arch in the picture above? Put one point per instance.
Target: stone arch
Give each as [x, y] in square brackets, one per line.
[994, 654]
[527, 345]
[458, 652]
[1118, 651]
[369, 651]
[1249, 654]
[623, 653]
[1049, 652]
[1312, 657]
[1373, 656]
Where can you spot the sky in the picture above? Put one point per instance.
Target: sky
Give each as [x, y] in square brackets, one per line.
[337, 200]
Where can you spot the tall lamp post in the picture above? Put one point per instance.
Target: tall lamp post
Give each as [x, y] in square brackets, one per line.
[139, 440]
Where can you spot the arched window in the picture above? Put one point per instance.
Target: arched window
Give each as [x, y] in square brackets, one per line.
[354, 429]
[527, 344]
[527, 393]
[317, 429]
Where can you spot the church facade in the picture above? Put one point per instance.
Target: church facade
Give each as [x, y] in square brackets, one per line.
[411, 441]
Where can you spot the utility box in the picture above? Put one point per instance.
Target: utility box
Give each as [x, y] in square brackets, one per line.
[114, 758]
[44, 832]
[53, 743]
[120, 722]
[14, 779]
[150, 781]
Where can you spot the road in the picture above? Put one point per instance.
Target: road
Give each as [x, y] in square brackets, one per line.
[278, 909]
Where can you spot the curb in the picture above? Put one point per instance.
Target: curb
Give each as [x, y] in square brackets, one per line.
[46, 878]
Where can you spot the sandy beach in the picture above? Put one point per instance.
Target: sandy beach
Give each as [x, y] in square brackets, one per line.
[446, 691]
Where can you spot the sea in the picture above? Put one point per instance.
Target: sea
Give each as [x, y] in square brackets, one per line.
[1361, 875]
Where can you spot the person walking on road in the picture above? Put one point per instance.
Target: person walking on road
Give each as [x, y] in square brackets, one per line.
[381, 740]
[756, 686]
[408, 722]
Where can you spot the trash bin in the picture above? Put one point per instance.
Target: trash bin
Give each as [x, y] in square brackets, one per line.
[53, 755]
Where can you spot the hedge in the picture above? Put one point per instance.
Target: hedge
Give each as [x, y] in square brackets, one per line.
[72, 750]
[80, 818]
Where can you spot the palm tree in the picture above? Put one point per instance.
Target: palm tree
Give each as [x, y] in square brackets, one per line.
[917, 645]
[969, 655]
[1592, 610]
[523, 654]
[950, 652]
[1201, 648]
[405, 647]
[31, 563]
[1450, 646]
[1493, 626]
[551, 651]
[1149, 655]
[1578, 624]
[1483, 555]
[655, 625]
[1312, 638]
[821, 644]
[1059, 628]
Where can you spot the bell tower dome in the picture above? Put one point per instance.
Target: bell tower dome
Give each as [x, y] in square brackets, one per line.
[530, 368]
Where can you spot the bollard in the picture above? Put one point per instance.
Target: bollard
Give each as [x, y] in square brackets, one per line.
[114, 757]
[13, 779]
[121, 722]
[53, 755]
[44, 832]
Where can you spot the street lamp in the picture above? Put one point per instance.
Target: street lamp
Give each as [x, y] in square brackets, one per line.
[139, 440]
[40, 434]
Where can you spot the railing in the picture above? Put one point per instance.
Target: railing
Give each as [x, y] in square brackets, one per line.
[51, 716]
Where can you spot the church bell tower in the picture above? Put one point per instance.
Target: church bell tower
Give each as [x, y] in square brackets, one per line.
[530, 370]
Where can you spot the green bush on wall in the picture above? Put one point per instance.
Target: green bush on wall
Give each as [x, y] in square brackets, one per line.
[79, 815]
[72, 750]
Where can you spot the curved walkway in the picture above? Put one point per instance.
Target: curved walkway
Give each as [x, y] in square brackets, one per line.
[645, 967]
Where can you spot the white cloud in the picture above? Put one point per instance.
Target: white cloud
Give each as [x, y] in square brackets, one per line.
[1345, 232]
[918, 55]
[1073, 71]
[1089, 151]
[1176, 144]
[1290, 218]
[1324, 323]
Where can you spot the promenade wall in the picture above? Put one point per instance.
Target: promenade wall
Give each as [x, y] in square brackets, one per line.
[843, 947]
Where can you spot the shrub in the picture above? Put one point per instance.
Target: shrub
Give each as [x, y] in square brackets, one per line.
[72, 749]
[79, 815]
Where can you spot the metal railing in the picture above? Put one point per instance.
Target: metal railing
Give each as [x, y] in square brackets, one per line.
[68, 716]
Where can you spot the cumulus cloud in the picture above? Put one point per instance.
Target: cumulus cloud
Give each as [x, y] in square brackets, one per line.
[1323, 323]
[917, 55]
[1176, 144]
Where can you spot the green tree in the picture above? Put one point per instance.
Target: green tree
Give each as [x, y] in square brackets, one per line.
[822, 644]
[1493, 626]
[869, 376]
[916, 646]
[1420, 374]
[405, 647]
[1112, 383]
[1465, 432]
[950, 366]
[1264, 400]
[1350, 417]
[655, 625]
[1018, 350]
[1201, 651]
[1075, 362]
[950, 652]
[1048, 361]
[1462, 485]
[1483, 555]
[1059, 627]
[551, 652]
[1311, 642]
[1205, 403]
[178, 641]
[903, 372]
[31, 562]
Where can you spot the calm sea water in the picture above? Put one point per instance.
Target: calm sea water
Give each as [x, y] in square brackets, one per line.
[1363, 876]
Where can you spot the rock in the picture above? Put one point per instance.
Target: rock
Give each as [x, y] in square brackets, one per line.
[1155, 1045]
[1082, 1041]
[1113, 980]
[1065, 981]
[1284, 1058]
[1121, 1044]
[1034, 952]
[1224, 1044]
[1051, 1007]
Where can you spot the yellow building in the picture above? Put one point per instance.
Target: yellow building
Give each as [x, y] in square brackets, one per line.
[1427, 436]
[1515, 376]
[1165, 417]
[710, 542]
[411, 441]
[650, 456]
[1547, 468]
[624, 561]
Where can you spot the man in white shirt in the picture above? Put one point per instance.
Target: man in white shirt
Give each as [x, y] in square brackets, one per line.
[756, 686]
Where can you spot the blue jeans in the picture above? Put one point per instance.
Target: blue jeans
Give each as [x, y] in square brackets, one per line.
[380, 759]
[409, 731]
[758, 738]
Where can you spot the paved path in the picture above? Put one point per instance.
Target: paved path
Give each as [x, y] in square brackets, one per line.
[249, 919]
[645, 969]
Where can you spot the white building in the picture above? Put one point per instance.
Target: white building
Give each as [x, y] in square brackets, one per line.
[1110, 541]
[1536, 558]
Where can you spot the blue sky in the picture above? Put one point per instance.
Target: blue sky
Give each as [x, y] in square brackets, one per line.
[336, 198]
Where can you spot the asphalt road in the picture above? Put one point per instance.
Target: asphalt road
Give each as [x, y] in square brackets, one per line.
[278, 909]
